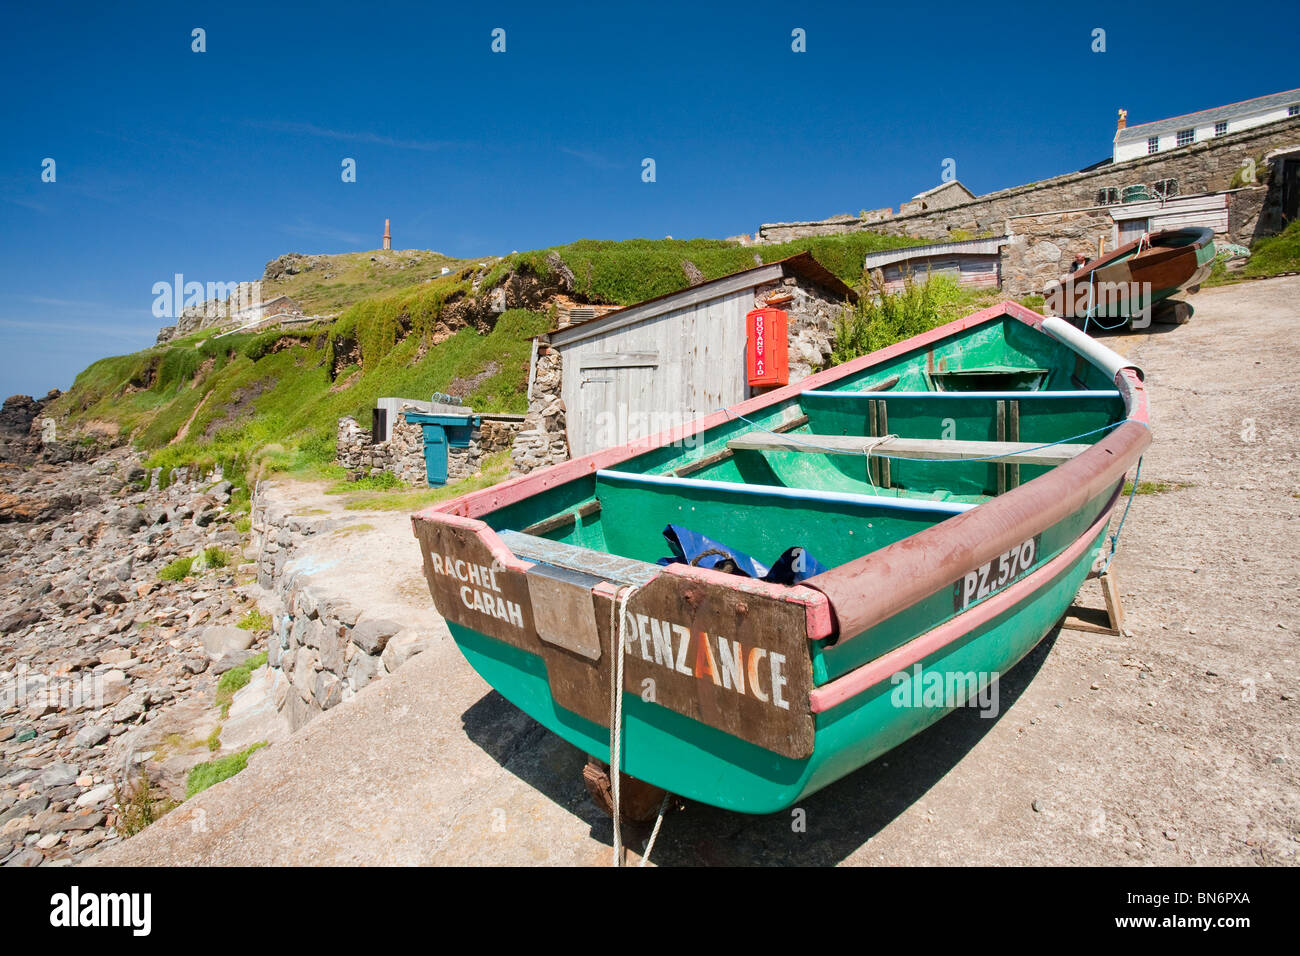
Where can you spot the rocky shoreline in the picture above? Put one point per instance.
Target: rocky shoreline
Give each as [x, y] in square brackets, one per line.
[108, 667]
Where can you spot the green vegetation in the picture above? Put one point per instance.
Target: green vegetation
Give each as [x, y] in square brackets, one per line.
[329, 284]
[1153, 487]
[495, 468]
[235, 679]
[215, 557]
[244, 525]
[178, 570]
[139, 805]
[627, 272]
[255, 620]
[1275, 254]
[1270, 256]
[380, 482]
[881, 319]
[214, 771]
[214, 739]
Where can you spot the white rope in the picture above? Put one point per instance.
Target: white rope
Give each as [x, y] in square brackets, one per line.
[868, 448]
[659, 821]
[616, 722]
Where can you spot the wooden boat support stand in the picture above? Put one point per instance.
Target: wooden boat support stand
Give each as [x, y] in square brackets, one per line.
[747, 694]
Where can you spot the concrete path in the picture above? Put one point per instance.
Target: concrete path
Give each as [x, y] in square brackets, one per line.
[1175, 745]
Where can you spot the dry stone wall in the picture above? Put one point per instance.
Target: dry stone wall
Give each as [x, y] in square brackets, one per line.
[323, 648]
[403, 454]
[543, 440]
[810, 329]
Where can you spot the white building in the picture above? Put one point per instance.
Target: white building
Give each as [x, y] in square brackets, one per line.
[1144, 139]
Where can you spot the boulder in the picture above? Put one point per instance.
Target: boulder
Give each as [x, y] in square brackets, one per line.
[90, 736]
[96, 796]
[59, 775]
[373, 636]
[129, 708]
[404, 645]
[220, 640]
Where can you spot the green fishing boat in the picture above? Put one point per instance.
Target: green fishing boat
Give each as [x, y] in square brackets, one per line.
[801, 582]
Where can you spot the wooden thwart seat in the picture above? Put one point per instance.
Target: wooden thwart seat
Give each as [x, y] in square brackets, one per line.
[932, 449]
[597, 564]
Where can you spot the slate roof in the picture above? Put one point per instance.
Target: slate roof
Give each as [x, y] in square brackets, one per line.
[1218, 114]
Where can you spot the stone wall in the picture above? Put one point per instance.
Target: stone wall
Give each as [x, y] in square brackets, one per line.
[1202, 167]
[322, 648]
[492, 435]
[543, 440]
[810, 329]
[403, 454]
[1042, 249]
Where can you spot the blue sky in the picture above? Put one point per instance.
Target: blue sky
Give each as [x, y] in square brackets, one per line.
[210, 164]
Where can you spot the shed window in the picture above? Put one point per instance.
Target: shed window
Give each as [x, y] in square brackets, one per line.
[1293, 110]
[1221, 128]
[1153, 144]
[1186, 137]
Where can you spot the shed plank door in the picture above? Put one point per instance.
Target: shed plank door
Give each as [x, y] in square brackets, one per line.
[615, 407]
[1131, 229]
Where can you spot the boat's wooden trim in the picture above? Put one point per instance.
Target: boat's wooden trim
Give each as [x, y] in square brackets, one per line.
[718, 456]
[901, 658]
[891, 502]
[517, 489]
[931, 449]
[875, 587]
[563, 519]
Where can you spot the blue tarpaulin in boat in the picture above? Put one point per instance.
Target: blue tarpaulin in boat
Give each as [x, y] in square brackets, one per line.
[689, 547]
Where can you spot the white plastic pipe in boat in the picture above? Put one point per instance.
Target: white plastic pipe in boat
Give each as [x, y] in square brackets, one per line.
[1105, 359]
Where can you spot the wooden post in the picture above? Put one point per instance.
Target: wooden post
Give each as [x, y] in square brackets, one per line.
[1094, 620]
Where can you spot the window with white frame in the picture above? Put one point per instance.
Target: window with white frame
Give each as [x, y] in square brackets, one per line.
[1293, 110]
[1221, 128]
[1186, 137]
[1153, 144]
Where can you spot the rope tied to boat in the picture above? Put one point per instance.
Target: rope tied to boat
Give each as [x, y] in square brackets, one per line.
[868, 448]
[1114, 539]
[1092, 286]
[619, 607]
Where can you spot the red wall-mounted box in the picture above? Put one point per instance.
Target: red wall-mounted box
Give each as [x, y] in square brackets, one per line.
[767, 359]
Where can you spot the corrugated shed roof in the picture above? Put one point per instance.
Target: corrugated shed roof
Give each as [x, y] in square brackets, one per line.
[1142, 131]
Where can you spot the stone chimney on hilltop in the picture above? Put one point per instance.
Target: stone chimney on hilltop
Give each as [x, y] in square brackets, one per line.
[388, 236]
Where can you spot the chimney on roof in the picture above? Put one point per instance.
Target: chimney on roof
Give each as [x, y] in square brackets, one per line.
[1122, 121]
[388, 237]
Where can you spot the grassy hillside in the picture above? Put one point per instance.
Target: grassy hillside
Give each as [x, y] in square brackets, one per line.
[328, 284]
[633, 270]
[253, 401]
[1270, 256]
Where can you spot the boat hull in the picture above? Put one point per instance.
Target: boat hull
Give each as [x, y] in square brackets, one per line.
[1134, 278]
[702, 763]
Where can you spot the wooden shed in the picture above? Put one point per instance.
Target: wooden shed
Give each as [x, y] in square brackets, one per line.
[666, 361]
[974, 262]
